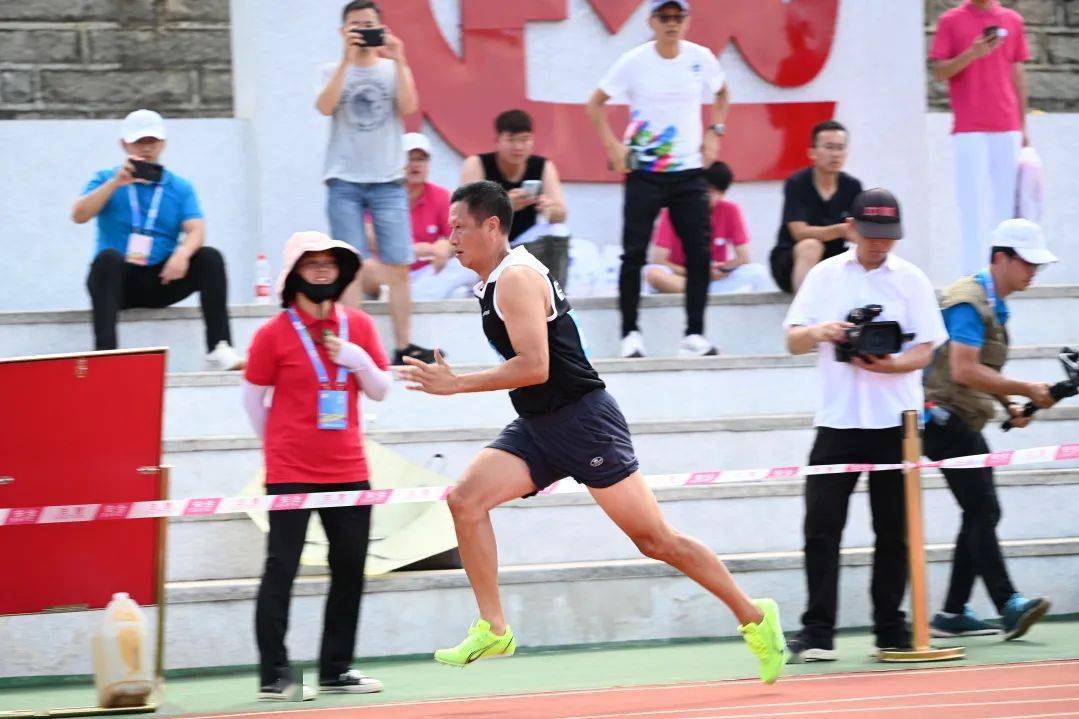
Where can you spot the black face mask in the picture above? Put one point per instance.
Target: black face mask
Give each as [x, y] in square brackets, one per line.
[318, 293]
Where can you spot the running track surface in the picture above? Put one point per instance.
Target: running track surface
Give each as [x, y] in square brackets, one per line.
[1015, 691]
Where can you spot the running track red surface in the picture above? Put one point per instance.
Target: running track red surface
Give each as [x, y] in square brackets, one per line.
[1015, 691]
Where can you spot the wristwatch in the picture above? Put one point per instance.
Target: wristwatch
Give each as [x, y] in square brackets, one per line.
[719, 128]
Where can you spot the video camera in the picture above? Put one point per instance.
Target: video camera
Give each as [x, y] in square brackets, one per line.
[1069, 387]
[870, 338]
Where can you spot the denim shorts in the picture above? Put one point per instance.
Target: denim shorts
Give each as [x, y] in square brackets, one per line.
[587, 440]
[387, 203]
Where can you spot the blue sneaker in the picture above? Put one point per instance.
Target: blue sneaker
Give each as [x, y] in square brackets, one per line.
[966, 624]
[1021, 613]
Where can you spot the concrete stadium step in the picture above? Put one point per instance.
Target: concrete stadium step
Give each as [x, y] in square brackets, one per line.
[740, 324]
[207, 404]
[736, 518]
[226, 465]
[210, 623]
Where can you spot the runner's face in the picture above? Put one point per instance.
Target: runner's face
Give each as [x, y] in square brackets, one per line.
[472, 241]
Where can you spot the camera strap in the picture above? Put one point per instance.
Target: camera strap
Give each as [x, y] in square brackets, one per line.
[136, 215]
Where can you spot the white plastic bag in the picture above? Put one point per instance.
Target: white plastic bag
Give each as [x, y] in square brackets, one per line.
[1029, 190]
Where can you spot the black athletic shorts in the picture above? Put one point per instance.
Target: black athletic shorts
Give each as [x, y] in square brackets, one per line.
[781, 261]
[587, 440]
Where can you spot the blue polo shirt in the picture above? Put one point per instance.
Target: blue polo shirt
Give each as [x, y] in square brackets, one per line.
[963, 322]
[114, 223]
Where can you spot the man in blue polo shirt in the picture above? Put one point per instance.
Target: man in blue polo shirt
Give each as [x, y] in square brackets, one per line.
[962, 390]
[141, 260]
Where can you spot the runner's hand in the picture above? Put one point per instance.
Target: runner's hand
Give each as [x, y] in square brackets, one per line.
[435, 378]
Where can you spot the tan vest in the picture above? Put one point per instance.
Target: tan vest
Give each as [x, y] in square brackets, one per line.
[972, 406]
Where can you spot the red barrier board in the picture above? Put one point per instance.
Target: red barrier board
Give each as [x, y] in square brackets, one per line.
[78, 430]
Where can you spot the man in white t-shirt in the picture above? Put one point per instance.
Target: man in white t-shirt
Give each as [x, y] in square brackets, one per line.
[662, 156]
[862, 398]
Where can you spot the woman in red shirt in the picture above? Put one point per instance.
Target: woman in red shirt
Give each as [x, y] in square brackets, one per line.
[316, 356]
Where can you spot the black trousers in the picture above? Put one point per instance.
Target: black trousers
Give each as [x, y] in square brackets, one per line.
[827, 497]
[977, 549]
[118, 285]
[347, 530]
[685, 195]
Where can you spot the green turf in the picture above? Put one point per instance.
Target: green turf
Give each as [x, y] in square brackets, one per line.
[600, 667]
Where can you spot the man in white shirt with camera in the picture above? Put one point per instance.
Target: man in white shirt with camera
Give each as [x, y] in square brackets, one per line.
[858, 419]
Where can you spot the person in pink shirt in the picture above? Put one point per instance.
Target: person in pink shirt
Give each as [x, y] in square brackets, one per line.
[979, 49]
[436, 274]
[732, 270]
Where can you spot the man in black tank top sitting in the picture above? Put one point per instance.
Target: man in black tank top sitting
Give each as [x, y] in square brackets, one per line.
[532, 181]
[568, 426]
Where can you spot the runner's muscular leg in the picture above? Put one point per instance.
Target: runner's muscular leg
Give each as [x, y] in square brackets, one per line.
[492, 478]
[633, 507]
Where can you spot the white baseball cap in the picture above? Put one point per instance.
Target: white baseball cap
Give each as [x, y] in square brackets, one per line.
[142, 123]
[1026, 238]
[416, 141]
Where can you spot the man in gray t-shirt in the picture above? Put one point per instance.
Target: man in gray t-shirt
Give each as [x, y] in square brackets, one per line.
[366, 93]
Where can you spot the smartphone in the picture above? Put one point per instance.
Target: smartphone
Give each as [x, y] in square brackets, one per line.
[372, 36]
[993, 32]
[532, 187]
[148, 171]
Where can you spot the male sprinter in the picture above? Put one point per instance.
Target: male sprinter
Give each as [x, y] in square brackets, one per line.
[568, 426]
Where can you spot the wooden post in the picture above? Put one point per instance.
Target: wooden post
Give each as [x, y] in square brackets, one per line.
[164, 484]
[919, 586]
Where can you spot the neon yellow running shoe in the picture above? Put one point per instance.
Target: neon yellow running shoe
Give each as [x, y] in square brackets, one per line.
[766, 640]
[481, 643]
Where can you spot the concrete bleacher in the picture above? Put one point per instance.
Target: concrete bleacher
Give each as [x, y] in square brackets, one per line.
[569, 575]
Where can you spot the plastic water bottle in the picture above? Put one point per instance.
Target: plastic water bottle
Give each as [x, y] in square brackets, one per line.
[262, 281]
[121, 664]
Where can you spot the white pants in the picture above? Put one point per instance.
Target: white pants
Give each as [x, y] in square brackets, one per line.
[454, 280]
[986, 173]
[744, 278]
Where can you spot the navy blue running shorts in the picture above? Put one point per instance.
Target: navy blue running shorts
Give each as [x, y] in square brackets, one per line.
[588, 440]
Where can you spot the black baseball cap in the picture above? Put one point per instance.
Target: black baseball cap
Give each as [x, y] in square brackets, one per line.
[876, 215]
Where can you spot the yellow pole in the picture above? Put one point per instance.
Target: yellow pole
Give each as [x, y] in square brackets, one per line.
[919, 586]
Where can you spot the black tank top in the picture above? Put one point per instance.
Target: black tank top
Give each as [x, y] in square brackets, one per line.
[522, 219]
[571, 376]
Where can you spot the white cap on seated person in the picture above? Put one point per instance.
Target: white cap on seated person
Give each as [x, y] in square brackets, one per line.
[417, 141]
[1026, 238]
[140, 124]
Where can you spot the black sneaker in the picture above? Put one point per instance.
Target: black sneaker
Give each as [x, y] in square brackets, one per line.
[415, 352]
[803, 650]
[351, 682]
[284, 690]
[900, 643]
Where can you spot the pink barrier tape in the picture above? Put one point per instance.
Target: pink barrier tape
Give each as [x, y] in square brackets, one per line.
[203, 506]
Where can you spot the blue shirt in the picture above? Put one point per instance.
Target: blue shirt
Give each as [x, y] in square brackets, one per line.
[963, 322]
[114, 223]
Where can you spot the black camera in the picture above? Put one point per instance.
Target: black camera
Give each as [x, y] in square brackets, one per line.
[148, 171]
[1069, 387]
[869, 338]
[371, 36]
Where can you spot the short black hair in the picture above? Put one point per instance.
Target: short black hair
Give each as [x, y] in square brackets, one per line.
[513, 121]
[826, 126]
[360, 5]
[1008, 252]
[486, 199]
[719, 176]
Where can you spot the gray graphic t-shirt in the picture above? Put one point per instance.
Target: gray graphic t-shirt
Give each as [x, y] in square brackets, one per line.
[365, 135]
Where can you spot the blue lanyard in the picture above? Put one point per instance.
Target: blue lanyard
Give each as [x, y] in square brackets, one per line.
[136, 215]
[316, 361]
[991, 290]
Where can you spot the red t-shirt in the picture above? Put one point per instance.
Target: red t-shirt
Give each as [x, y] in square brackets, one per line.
[728, 230]
[430, 218]
[296, 450]
[983, 95]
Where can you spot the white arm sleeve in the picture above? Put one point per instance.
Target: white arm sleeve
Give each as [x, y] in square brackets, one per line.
[254, 399]
[375, 382]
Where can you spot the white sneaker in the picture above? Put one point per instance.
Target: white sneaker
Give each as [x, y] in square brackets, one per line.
[285, 691]
[633, 345]
[351, 682]
[696, 346]
[224, 358]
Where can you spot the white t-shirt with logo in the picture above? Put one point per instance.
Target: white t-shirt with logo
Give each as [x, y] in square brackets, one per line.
[665, 98]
